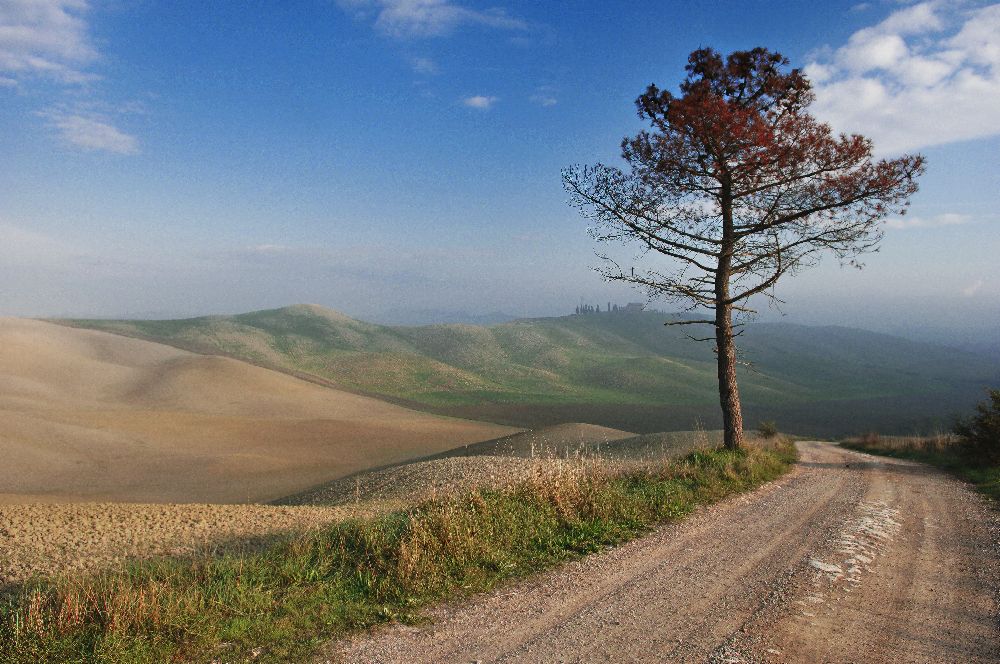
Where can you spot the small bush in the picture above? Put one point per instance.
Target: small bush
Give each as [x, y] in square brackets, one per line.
[871, 439]
[980, 434]
[767, 429]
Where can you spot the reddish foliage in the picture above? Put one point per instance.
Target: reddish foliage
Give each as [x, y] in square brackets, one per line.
[736, 167]
[739, 185]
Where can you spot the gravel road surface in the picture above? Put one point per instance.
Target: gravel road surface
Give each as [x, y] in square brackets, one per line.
[848, 558]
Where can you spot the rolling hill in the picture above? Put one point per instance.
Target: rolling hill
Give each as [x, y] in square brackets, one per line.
[620, 370]
[88, 415]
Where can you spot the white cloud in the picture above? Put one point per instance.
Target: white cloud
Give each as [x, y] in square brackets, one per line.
[92, 133]
[873, 52]
[928, 74]
[481, 102]
[973, 288]
[428, 18]
[916, 19]
[50, 40]
[45, 38]
[544, 100]
[946, 219]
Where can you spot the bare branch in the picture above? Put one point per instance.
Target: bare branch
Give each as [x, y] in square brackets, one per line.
[691, 322]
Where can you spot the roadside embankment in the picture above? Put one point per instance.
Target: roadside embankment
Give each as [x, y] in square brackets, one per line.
[944, 451]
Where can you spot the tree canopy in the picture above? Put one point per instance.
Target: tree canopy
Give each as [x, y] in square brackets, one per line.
[737, 185]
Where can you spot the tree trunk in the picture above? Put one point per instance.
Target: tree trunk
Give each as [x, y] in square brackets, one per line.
[729, 391]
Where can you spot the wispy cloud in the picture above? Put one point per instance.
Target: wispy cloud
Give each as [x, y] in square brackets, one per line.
[49, 40]
[544, 96]
[973, 288]
[424, 66]
[45, 38]
[928, 74]
[428, 18]
[92, 133]
[480, 102]
[946, 219]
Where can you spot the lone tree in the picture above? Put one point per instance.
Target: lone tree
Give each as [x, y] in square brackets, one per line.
[738, 185]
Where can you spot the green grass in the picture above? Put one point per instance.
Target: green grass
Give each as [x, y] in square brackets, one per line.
[280, 601]
[942, 451]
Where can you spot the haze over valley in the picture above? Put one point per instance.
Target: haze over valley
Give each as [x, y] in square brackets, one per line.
[623, 370]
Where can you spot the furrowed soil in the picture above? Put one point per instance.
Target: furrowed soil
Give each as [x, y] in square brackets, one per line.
[67, 538]
[849, 558]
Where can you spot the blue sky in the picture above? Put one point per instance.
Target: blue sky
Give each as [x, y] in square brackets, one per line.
[391, 155]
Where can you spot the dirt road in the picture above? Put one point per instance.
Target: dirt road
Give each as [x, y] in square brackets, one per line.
[849, 558]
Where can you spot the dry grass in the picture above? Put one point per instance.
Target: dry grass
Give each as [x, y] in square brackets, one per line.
[504, 462]
[277, 602]
[933, 444]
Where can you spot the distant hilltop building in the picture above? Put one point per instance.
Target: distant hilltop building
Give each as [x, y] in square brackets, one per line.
[630, 308]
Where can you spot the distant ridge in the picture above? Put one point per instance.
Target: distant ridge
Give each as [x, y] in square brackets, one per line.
[441, 316]
[623, 371]
[312, 310]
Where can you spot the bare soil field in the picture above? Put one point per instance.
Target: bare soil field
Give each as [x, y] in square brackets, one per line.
[407, 484]
[91, 416]
[849, 558]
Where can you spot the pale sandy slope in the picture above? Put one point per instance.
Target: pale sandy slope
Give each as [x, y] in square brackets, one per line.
[848, 559]
[89, 415]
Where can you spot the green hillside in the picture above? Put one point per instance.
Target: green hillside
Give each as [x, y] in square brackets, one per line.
[595, 363]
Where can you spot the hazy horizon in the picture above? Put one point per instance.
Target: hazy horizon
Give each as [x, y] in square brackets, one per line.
[984, 340]
[389, 158]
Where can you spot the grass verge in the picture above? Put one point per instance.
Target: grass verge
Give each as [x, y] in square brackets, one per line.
[944, 451]
[280, 601]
